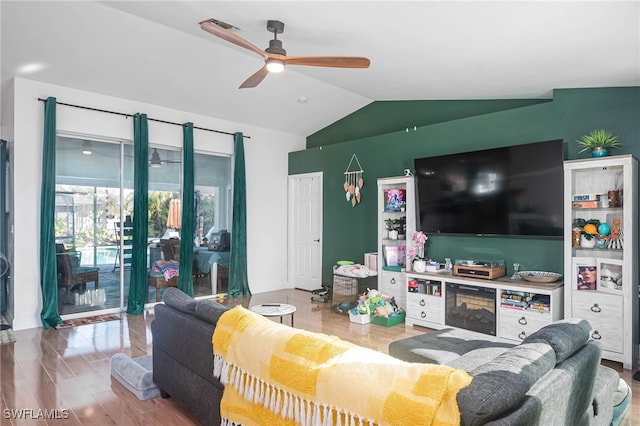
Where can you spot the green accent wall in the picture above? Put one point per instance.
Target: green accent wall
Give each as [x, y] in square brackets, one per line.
[382, 117]
[349, 232]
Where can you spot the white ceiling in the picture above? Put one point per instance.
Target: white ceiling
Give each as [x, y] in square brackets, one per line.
[155, 52]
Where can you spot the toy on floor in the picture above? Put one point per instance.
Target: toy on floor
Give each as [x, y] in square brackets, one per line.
[376, 303]
[321, 294]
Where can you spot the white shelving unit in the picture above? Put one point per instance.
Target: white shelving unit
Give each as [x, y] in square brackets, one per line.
[611, 303]
[392, 282]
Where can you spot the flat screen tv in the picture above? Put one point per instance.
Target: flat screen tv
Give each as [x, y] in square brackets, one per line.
[515, 190]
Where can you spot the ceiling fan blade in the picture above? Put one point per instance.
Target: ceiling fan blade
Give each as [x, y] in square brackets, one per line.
[328, 61]
[255, 79]
[230, 36]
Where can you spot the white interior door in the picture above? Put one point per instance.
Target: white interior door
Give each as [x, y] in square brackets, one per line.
[305, 231]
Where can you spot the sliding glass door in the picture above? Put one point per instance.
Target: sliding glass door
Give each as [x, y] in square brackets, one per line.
[212, 217]
[91, 197]
[94, 206]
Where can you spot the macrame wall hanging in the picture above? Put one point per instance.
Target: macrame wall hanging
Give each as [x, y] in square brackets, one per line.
[353, 181]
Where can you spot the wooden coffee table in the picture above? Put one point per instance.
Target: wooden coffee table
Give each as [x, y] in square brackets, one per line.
[274, 310]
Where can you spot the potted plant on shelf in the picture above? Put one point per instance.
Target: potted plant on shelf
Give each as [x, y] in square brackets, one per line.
[589, 232]
[391, 228]
[416, 251]
[599, 142]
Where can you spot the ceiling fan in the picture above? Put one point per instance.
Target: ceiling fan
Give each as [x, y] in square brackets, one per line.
[275, 56]
[156, 161]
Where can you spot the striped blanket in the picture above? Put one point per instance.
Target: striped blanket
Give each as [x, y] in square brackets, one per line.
[278, 375]
[168, 268]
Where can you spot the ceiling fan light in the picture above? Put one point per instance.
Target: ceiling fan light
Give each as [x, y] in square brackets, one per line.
[155, 159]
[86, 148]
[275, 65]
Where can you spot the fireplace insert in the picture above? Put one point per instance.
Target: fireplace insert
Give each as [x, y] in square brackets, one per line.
[470, 307]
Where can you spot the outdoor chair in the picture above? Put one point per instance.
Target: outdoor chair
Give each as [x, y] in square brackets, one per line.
[71, 275]
[157, 279]
[170, 248]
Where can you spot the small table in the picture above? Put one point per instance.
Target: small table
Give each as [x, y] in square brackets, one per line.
[274, 310]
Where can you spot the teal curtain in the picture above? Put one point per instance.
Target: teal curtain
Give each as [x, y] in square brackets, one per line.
[238, 282]
[48, 269]
[138, 278]
[185, 279]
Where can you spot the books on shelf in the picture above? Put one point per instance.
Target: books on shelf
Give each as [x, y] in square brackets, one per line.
[585, 204]
[428, 287]
[525, 301]
[586, 197]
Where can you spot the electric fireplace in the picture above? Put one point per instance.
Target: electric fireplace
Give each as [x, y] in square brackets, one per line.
[470, 307]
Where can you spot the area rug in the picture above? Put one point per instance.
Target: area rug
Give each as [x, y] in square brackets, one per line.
[88, 320]
[7, 336]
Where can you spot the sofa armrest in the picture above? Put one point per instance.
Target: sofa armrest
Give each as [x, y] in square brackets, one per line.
[606, 384]
[565, 394]
[500, 386]
[184, 338]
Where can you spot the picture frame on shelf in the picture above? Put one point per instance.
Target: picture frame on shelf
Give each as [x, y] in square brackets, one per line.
[585, 273]
[610, 275]
[395, 200]
[394, 255]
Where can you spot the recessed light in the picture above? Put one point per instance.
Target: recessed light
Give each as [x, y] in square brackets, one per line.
[302, 100]
[31, 68]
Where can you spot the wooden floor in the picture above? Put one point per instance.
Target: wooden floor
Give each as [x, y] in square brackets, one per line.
[68, 370]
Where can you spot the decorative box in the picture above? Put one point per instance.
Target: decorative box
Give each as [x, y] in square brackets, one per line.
[479, 269]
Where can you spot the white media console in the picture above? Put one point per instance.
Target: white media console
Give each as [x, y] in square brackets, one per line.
[502, 307]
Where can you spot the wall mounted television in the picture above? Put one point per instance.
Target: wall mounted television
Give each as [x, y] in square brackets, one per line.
[514, 190]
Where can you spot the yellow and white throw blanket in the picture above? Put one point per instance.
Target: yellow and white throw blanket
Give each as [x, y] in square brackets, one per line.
[278, 375]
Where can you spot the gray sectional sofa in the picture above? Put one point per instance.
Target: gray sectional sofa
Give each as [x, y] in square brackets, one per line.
[183, 353]
[553, 377]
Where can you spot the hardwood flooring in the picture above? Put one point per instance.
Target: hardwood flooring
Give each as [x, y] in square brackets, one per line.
[66, 373]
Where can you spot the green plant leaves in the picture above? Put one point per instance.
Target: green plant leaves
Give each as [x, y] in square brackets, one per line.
[599, 138]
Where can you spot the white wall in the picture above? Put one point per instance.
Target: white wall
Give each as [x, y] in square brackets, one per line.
[266, 164]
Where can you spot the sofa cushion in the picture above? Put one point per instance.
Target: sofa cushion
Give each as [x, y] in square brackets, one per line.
[179, 300]
[565, 337]
[477, 357]
[209, 311]
[500, 385]
[444, 346]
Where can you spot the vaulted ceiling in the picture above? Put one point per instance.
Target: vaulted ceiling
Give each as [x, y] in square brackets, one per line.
[155, 52]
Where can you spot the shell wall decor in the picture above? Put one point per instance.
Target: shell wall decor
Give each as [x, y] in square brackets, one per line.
[353, 182]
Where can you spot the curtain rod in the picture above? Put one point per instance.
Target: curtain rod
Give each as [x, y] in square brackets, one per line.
[150, 119]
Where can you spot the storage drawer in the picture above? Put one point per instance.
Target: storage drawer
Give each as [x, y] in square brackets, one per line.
[517, 324]
[604, 312]
[393, 284]
[425, 307]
